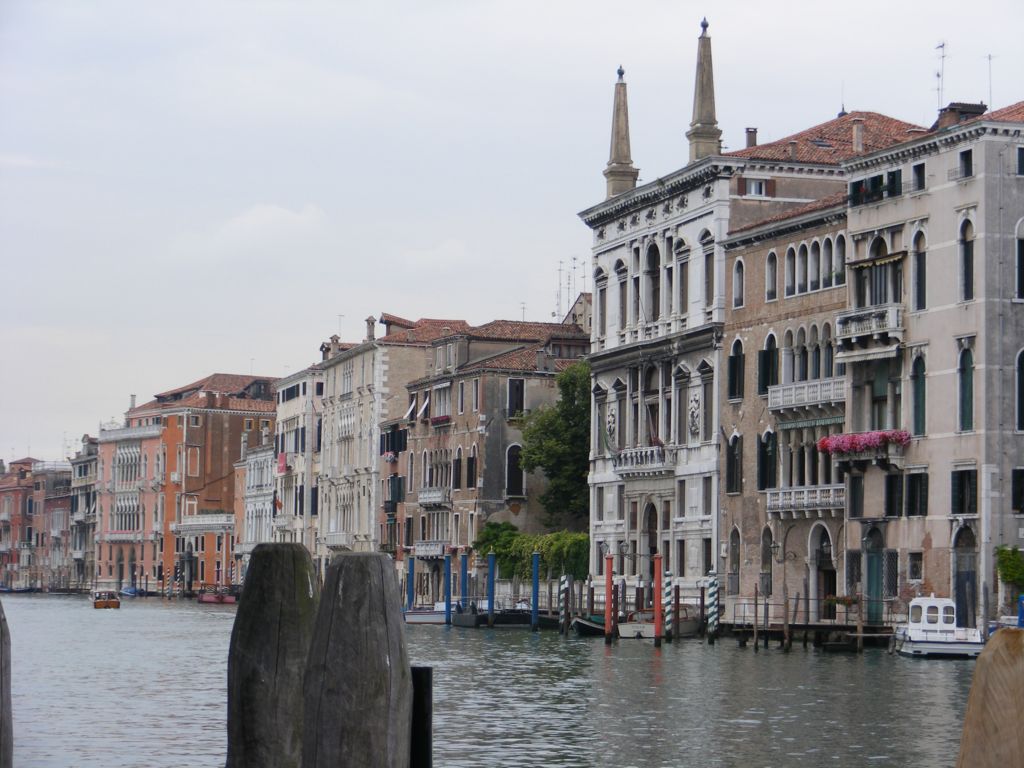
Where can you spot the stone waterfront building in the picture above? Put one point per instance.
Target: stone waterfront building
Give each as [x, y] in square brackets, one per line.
[660, 305]
[451, 462]
[17, 534]
[83, 514]
[255, 474]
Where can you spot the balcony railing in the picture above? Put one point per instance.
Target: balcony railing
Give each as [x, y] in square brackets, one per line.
[282, 522]
[196, 524]
[430, 547]
[338, 540]
[803, 394]
[647, 460]
[131, 433]
[116, 536]
[807, 498]
[433, 496]
[78, 516]
[78, 554]
[5, 517]
[883, 320]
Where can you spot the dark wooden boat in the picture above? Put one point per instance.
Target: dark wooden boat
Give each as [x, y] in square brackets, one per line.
[589, 627]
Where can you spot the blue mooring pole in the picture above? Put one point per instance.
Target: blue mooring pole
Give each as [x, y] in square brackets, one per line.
[464, 581]
[491, 563]
[1020, 612]
[448, 588]
[410, 582]
[534, 607]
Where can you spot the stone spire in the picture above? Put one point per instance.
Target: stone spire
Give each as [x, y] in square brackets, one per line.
[620, 173]
[704, 134]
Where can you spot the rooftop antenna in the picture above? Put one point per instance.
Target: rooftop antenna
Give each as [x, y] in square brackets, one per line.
[558, 291]
[941, 74]
[339, 324]
[989, 57]
[572, 292]
[522, 305]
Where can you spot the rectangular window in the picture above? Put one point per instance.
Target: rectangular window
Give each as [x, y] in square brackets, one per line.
[194, 421]
[681, 557]
[966, 164]
[1017, 491]
[1020, 161]
[462, 396]
[964, 492]
[684, 287]
[708, 411]
[620, 502]
[709, 279]
[476, 395]
[709, 557]
[1020, 268]
[918, 173]
[893, 495]
[707, 499]
[856, 496]
[602, 310]
[917, 494]
[248, 425]
[319, 389]
[515, 396]
[967, 269]
[681, 498]
[915, 566]
[600, 558]
[599, 504]
[623, 303]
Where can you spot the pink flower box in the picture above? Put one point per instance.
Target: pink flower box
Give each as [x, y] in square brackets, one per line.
[862, 442]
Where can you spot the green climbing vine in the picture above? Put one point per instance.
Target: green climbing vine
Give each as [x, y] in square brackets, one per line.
[1010, 564]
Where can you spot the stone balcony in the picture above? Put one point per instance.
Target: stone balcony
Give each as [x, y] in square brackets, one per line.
[130, 433]
[863, 330]
[803, 395]
[434, 497]
[646, 460]
[339, 540]
[78, 516]
[858, 450]
[429, 547]
[194, 525]
[122, 536]
[807, 501]
[287, 522]
[78, 554]
[5, 517]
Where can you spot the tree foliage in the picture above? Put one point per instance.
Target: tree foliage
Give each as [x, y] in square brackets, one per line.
[560, 552]
[1010, 564]
[556, 440]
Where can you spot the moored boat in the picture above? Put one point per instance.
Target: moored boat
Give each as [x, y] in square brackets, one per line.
[931, 630]
[588, 627]
[216, 595]
[105, 598]
[638, 625]
[425, 615]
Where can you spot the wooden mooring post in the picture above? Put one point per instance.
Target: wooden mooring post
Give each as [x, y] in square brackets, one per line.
[992, 735]
[6, 718]
[754, 622]
[358, 682]
[267, 658]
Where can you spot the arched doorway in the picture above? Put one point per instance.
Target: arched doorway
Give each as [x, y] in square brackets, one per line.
[965, 577]
[650, 529]
[874, 545]
[824, 571]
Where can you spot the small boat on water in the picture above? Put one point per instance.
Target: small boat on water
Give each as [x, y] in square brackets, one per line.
[105, 598]
[426, 615]
[932, 631]
[477, 616]
[216, 595]
[592, 626]
[640, 624]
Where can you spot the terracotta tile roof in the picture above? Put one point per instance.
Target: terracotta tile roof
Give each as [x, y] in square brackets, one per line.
[227, 383]
[522, 359]
[831, 201]
[1011, 114]
[832, 141]
[424, 330]
[518, 330]
[386, 318]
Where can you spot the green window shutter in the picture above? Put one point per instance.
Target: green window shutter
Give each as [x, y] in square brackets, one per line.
[763, 364]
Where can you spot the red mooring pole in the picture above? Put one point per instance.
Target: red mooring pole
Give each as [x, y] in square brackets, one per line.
[609, 587]
[659, 619]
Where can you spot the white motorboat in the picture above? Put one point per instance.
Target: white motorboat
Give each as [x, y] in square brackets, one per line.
[426, 615]
[638, 625]
[932, 631]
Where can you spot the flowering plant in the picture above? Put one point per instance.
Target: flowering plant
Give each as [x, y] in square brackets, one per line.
[858, 442]
[390, 457]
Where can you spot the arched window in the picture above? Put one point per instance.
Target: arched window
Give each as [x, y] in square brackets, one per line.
[790, 272]
[801, 270]
[840, 260]
[965, 374]
[736, 359]
[815, 354]
[734, 465]
[967, 261]
[733, 580]
[514, 479]
[920, 273]
[471, 468]
[814, 266]
[767, 365]
[653, 275]
[1020, 390]
[918, 389]
[826, 265]
[737, 285]
[457, 468]
[771, 277]
[767, 456]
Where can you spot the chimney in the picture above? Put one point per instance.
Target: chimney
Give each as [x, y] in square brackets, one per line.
[751, 137]
[792, 150]
[542, 360]
[245, 446]
[956, 112]
[371, 321]
[858, 135]
[132, 406]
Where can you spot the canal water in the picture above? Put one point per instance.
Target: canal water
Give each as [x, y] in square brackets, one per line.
[145, 686]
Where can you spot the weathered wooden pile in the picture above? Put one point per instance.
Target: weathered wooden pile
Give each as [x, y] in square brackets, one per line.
[318, 680]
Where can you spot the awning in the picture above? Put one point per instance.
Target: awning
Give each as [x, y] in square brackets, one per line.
[412, 407]
[859, 355]
[873, 260]
[423, 408]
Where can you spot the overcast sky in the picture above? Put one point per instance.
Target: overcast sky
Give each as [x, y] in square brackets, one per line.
[191, 187]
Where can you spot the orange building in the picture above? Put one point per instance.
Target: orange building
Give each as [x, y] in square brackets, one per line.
[16, 515]
[167, 488]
